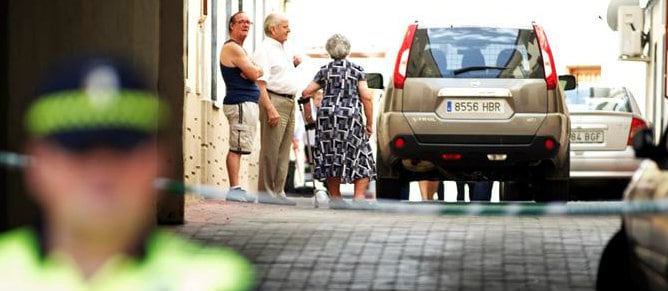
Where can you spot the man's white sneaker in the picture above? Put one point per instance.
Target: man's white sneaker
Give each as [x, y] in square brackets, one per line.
[239, 195]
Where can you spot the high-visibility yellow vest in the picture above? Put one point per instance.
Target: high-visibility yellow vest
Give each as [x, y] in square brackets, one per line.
[170, 263]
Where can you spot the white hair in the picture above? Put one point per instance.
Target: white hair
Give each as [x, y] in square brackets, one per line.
[272, 20]
[338, 46]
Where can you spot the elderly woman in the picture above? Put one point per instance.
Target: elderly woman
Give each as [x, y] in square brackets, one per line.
[344, 124]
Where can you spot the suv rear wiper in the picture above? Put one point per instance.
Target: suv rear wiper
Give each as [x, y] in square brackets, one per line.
[476, 68]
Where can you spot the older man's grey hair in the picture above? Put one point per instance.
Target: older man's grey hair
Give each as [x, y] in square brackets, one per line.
[273, 20]
[338, 46]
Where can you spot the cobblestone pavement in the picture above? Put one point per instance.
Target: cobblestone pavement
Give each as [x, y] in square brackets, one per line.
[302, 248]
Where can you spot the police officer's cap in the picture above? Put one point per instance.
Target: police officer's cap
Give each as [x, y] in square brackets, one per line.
[95, 101]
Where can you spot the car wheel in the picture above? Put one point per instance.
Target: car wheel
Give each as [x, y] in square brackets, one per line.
[514, 191]
[387, 188]
[614, 268]
[551, 190]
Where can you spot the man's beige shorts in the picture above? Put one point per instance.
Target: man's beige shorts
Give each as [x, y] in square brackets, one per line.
[243, 119]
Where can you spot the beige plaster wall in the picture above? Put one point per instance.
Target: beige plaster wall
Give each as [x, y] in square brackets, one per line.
[205, 146]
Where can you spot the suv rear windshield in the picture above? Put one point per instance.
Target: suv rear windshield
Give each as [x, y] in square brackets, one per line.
[474, 52]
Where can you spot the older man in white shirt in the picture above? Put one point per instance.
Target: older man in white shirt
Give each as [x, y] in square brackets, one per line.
[278, 88]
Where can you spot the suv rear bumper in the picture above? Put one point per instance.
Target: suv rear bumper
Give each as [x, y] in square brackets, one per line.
[418, 160]
[531, 152]
[427, 140]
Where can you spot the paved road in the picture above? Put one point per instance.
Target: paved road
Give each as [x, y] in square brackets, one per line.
[301, 248]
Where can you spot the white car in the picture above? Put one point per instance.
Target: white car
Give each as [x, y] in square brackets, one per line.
[603, 120]
[636, 257]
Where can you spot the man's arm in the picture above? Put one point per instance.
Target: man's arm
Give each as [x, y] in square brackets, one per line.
[296, 60]
[273, 117]
[239, 58]
[261, 58]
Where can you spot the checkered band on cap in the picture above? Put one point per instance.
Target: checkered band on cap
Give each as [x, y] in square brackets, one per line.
[94, 93]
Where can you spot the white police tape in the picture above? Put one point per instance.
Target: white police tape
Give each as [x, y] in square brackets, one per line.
[596, 208]
[175, 187]
[13, 160]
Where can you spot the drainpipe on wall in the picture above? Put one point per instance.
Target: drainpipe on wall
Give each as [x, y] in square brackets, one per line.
[204, 108]
[199, 54]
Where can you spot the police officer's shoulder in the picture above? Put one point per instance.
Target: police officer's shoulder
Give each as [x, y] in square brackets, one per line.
[220, 265]
[19, 248]
[18, 238]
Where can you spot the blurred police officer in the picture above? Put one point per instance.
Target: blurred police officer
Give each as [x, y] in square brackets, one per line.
[95, 156]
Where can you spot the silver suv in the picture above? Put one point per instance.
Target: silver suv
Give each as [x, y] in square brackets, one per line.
[475, 104]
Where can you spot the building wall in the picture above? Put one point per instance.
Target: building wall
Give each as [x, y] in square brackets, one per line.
[655, 108]
[205, 128]
[205, 148]
[4, 109]
[171, 88]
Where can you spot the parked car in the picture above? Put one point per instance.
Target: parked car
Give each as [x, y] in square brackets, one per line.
[636, 258]
[475, 104]
[603, 121]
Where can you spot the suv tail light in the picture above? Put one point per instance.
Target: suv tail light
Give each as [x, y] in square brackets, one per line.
[550, 144]
[402, 57]
[548, 60]
[636, 124]
[399, 142]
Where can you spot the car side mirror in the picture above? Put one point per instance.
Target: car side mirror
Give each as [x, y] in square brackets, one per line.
[375, 81]
[568, 82]
[643, 144]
